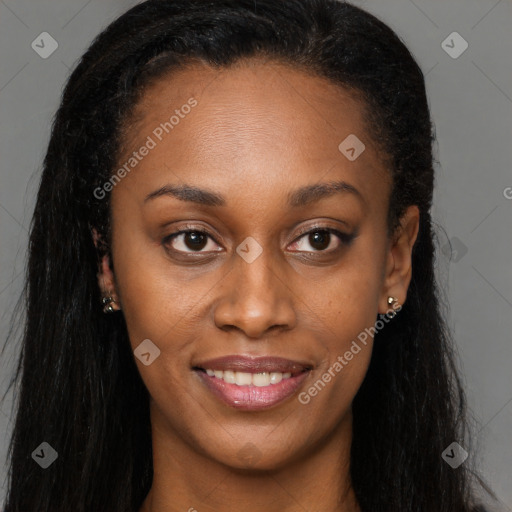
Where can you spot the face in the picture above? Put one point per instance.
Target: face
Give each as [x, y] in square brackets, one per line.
[244, 230]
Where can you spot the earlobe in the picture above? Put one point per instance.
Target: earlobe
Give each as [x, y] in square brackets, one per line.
[399, 267]
[106, 280]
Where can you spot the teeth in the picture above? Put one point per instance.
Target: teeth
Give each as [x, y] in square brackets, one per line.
[261, 379]
[228, 376]
[249, 379]
[243, 379]
[276, 378]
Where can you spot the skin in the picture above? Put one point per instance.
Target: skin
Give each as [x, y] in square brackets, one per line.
[259, 131]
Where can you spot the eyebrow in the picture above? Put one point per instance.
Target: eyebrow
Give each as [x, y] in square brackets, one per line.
[297, 198]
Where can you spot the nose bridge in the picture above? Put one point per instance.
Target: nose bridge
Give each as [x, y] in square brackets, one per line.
[256, 275]
[255, 297]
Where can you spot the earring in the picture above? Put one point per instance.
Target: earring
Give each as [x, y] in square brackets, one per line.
[107, 302]
[392, 300]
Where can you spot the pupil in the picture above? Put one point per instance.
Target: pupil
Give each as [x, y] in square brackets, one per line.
[320, 238]
[195, 240]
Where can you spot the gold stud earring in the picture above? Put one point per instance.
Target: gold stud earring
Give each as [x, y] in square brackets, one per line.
[392, 300]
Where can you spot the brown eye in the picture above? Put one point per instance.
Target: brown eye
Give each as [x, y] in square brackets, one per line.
[190, 241]
[321, 239]
[195, 240]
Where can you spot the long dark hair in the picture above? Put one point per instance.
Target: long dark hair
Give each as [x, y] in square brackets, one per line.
[80, 390]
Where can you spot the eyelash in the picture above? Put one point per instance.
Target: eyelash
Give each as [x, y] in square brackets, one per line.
[345, 239]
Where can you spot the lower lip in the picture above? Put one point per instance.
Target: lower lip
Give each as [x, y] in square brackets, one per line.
[250, 398]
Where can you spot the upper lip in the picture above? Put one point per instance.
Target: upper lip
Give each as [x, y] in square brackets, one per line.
[254, 364]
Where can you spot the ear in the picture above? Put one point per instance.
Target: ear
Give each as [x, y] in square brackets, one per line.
[106, 280]
[399, 260]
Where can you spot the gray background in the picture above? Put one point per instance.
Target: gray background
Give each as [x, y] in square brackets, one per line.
[471, 104]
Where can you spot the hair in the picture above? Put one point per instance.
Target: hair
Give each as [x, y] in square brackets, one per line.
[80, 389]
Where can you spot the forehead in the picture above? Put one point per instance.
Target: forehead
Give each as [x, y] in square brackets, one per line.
[257, 125]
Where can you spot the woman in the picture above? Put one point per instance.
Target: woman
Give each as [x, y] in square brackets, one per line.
[231, 293]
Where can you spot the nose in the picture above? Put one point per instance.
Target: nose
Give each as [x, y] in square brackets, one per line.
[255, 298]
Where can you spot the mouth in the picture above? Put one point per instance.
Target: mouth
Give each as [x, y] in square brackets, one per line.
[252, 383]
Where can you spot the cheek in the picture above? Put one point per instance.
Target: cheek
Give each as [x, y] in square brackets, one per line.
[345, 308]
[155, 301]
[347, 345]
[346, 299]
[349, 312]
[167, 314]
[158, 305]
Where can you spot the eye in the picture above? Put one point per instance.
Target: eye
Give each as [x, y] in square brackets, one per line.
[321, 239]
[191, 241]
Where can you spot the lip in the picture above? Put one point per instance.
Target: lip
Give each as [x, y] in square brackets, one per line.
[253, 398]
[247, 364]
